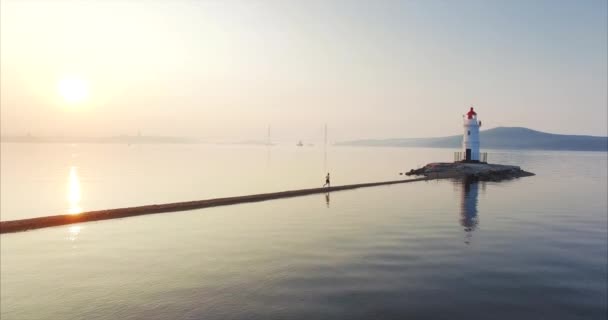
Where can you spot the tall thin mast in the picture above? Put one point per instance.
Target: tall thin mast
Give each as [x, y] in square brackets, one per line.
[325, 151]
[268, 142]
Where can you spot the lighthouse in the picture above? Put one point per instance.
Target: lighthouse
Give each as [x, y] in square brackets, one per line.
[470, 141]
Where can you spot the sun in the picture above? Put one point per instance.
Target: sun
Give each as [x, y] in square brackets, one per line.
[73, 89]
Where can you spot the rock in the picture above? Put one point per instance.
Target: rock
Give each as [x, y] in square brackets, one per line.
[417, 172]
[475, 171]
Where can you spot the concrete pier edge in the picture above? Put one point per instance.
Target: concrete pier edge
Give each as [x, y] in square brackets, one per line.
[66, 219]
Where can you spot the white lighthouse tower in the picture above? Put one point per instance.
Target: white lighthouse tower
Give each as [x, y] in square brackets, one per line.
[470, 141]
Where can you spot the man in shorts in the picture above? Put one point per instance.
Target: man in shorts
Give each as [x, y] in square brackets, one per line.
[326, 180]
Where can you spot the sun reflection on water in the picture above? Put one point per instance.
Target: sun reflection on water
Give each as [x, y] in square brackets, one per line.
[74, 192]
[73, 232]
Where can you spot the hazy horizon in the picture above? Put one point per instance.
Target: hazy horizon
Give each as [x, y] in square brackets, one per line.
[227, 70]
[256, 140]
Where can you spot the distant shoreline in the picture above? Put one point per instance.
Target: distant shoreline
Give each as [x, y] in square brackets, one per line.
[456, 148]
[276, 144]
[99, 140]
[122, 140]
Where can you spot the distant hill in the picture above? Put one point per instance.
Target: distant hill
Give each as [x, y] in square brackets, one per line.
[499, 138]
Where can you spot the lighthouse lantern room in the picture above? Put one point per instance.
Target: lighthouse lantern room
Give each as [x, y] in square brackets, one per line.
[470, 141]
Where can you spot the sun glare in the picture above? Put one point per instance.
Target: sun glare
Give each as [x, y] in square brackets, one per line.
[73, 89]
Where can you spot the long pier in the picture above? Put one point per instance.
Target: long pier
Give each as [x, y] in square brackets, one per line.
[65, 219]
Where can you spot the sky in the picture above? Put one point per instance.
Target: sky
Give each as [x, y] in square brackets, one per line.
[226, 70]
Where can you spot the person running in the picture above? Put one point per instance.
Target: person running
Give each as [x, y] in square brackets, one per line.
[326, 180]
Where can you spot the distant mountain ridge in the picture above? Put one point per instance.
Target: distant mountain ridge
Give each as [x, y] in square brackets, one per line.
[499, 138]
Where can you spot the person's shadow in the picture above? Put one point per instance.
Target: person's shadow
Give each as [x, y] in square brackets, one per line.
[327, 199]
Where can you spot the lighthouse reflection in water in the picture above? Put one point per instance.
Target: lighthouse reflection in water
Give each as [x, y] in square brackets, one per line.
[469, 219]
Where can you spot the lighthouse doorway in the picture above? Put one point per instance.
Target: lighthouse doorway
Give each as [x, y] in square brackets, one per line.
[468, 155]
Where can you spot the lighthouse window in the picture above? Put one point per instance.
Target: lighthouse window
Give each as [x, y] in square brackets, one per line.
[468, 132]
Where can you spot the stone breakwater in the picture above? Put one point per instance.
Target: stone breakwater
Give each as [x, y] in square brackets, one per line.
[472, 171]
[59, 220]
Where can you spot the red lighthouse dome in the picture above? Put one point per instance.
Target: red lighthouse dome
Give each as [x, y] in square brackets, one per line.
[471, 113]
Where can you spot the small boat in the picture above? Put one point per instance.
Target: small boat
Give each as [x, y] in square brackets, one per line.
[300, 144]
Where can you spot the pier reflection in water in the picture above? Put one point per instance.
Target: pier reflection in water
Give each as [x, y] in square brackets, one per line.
[469, 218]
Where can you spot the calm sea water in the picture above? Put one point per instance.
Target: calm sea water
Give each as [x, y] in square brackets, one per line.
[529, 248]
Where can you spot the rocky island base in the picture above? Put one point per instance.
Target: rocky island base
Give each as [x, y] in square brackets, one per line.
[470, 170]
